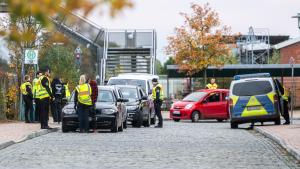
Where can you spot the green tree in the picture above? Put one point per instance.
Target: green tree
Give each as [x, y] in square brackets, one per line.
[275, 58]
[62, 63]
[170, 61]
[158, 67]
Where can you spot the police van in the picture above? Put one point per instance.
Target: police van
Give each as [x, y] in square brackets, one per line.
[254, 98]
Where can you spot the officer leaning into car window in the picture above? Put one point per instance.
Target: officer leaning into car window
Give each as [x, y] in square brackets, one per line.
[157, 96]
[285, 98]
[83, 103]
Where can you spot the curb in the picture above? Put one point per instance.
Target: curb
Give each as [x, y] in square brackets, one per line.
[28, 137]
[295, 153]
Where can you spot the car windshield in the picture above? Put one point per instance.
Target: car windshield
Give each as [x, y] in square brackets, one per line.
[133, 82]
[129, 93]
[105, 96]
[194, 97]
[252, 88]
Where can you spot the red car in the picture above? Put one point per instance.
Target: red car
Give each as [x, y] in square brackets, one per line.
[202, 104]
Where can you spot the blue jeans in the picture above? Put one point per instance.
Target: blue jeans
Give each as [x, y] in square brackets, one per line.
[83, 117]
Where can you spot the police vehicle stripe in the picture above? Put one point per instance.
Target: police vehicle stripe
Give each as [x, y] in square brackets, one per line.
[266, 103]
[240, 105]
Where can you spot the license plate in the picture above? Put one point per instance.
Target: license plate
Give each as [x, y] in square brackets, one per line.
[176, 112]
[253, 108]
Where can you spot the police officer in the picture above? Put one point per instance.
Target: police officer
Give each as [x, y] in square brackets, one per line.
[36, 98]
[58, 91]
[83, 103]
[285, 98]
[45, 96]
[157, 96]
[212, 84]
[26, 90]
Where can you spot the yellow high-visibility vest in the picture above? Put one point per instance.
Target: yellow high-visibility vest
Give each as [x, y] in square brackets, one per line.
[161, 94]
[23, 88]
[35, 88]
[84, 94]
[42, 93]
[68, 94]
[212, 86]
[286, 94]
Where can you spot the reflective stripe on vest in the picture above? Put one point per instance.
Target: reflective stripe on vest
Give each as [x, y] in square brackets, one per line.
[84, 94]
[35, 88]
[161, 94]
[42, 93]
[212, 86]
[23, 88]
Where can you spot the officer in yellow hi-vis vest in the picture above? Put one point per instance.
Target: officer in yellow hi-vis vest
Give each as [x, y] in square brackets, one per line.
[45, 95]
[285, 114]
[83, 103]
[26, 90]
[35, 91]
[157, 96]
[68, 93]
[212, 84]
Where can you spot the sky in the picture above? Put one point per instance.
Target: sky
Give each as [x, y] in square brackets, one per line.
[163, 15]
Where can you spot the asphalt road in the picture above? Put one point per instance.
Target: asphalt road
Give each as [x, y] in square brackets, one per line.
[186, 145]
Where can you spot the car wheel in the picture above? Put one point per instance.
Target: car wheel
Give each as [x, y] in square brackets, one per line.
[121, 127]
[195, 116]
[65, 129]
[138, 123]
[114, 126]
[220, 120]
[277, 121]
[176, 120]
[147, 122]
[234, 125]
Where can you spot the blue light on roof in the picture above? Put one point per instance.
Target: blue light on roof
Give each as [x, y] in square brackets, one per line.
[255, 75]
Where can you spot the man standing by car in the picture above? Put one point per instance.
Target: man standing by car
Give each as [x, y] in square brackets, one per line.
[94, 96]
[157, 96]
[59, 93]
[212, 84]
[45, 95]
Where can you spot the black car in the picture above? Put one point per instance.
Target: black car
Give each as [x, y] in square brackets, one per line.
[138, 109]
[110, 111]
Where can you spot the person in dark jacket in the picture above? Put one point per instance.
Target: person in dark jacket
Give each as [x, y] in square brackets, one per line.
[45, 97]
[26, 89]
[94, 96]
[58, 91]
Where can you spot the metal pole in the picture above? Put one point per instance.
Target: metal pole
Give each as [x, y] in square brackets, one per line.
[21, 96]
[293, 94]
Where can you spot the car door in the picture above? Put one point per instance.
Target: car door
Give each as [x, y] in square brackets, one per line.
[212, 105]
[119, 107]
[223, 106]
[144, 103]
[279, 91]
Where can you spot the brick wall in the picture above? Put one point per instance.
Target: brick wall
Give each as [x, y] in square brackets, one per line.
[285, 54]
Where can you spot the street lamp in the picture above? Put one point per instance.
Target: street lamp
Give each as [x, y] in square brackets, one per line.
[298, 17]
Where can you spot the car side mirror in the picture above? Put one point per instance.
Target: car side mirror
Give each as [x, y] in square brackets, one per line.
[227, 98]
[144, 97]
[122, 100]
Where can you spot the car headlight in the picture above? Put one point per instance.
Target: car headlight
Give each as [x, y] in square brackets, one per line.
[132, 107]
[69, 111]
[108, 111]
[172, 106]
[188, 106]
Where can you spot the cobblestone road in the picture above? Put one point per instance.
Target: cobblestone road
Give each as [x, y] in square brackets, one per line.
[178, 145]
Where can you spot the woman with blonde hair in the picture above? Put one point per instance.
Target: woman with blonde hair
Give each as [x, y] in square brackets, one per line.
[83, 103]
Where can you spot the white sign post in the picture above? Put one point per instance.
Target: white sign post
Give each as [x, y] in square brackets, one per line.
[31, 57]
[292, 62]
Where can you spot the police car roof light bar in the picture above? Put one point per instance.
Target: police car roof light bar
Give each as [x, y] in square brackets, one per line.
[255, 75]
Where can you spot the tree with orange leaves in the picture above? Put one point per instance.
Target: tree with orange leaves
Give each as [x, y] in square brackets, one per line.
[202, 41]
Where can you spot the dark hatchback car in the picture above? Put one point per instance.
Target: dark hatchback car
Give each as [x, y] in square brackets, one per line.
[110, 111]
[138, 109]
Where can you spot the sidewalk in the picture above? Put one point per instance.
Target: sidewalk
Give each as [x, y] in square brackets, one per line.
[288, 136]
[15, 132]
